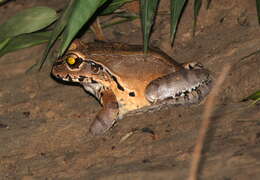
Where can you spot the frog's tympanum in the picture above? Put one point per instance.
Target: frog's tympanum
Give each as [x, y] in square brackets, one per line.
[124, 79]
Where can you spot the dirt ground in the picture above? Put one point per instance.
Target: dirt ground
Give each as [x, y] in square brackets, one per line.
[44, 124]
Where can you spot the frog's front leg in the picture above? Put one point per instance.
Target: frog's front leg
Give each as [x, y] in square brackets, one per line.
[108, 115]
[188, 85]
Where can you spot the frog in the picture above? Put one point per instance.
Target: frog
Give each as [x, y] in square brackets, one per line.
[125, 79]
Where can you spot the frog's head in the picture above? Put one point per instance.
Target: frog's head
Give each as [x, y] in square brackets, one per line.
[75, 67]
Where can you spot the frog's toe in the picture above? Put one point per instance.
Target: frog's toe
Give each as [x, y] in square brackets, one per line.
[192, 65]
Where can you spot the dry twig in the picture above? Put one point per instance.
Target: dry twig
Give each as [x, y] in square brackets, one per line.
[209, 107]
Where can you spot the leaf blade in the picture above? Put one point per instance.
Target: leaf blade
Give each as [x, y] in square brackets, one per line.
[253, 96]
[114, 5]
[59, 27]
[77, 19]
[177, 7]
[148, 10]
[25, 40]
[27, 21]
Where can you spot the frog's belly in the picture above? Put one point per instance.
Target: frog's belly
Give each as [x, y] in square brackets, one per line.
[127, 104]
[131, 97]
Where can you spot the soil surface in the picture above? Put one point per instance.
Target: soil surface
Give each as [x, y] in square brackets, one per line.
[44, 124]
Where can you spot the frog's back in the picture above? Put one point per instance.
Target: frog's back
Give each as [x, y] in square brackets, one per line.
[129, 61]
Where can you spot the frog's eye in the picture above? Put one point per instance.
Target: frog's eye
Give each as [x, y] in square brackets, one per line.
[74, 62]
[71, 60]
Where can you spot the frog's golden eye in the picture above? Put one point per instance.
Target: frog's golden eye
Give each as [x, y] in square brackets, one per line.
[71, 60]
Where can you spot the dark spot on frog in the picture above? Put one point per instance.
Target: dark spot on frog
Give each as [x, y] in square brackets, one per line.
[93, 81]
[69, 78]
[81, 78]
[118, 85]
[132, 94]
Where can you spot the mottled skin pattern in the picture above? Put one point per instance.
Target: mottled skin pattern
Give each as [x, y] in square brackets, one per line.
[124, 79]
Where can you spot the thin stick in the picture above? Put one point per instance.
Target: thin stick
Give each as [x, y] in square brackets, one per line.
[209, 107]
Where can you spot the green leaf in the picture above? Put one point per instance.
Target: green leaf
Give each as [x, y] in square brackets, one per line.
[82, 12]
[25, 40]
[4, 43]
[114, 5]
[258, 10]
[59, 27]
[148, 10]
[27, 21]
[176, 11]
[197, 6]
[253, 96]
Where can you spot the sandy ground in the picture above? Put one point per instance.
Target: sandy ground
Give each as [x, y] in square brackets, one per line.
[44, 124]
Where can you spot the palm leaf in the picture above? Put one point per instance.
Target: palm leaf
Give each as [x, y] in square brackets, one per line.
[27, 21]
[176, 12]
[148, 9]
[114, 5]
[55, 33]
[24, 41]
[82, 12]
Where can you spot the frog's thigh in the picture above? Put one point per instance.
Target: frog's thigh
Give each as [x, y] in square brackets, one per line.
[160, 88]
[107, 116]
[170, 88]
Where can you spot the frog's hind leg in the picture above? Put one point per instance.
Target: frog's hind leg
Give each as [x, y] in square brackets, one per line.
[186, 86]
[107, 116]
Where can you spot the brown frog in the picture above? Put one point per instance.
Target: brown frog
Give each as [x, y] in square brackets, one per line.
[124, 79]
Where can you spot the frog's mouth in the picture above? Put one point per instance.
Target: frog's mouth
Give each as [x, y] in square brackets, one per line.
[182, 87]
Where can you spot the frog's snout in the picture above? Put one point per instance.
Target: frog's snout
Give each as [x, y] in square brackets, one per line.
[182, 87]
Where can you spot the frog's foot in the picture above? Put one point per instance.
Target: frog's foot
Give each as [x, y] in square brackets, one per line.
[192, 65]
[107, 116]
[186, 86]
